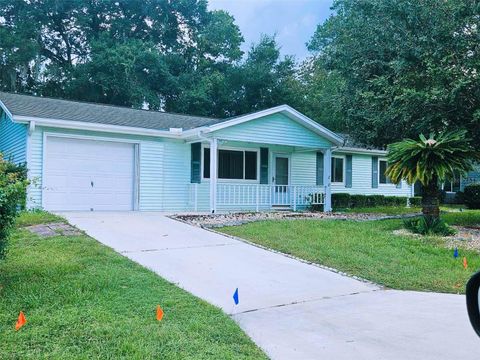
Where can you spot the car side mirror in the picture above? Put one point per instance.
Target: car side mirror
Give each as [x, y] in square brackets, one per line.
[473, 305]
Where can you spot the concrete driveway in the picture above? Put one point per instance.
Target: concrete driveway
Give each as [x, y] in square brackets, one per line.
[291, 309]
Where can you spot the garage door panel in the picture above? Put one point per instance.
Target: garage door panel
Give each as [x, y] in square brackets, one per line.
[88, 175]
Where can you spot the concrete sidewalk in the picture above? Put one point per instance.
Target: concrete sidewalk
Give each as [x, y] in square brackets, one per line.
[291, 309]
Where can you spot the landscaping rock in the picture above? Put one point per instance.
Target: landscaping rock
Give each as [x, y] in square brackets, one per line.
[235, 219]
[466, 237]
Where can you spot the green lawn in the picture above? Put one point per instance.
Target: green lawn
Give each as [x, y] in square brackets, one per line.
[36, 217]
[82, 300]
[370, 250]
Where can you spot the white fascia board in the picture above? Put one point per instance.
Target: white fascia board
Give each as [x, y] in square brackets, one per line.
[9, 114]
[79, 125]
[194, 134]
[350, 150]
[291, 113]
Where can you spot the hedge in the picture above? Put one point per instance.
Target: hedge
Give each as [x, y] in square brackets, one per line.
[344, 200]
[471, 195]
[13, 186]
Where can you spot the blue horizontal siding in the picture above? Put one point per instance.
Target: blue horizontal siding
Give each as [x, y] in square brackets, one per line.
[362, 180]
[152, 169]
[273, 129]
[470, 178]
[13, 140]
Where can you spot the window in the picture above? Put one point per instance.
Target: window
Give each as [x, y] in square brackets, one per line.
[230, 164]
[233, 164]
[250, 165]
[382, 169]
[206, 163]
[337, 170]
[452, 185]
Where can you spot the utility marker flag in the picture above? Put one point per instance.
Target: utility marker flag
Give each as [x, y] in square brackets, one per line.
[20, 321]
[455, 253]
[235, 297]
[465, 263]
[159, 313]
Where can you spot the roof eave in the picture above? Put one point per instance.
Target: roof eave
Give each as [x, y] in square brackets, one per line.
[78, 125]
[4, 108]
[354, 150]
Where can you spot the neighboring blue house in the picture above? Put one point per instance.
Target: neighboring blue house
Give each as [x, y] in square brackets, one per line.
[84, 156]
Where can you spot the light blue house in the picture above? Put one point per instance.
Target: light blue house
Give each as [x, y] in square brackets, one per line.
[84, 156]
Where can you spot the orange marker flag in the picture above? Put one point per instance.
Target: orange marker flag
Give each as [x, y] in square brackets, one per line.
[159, 313]
[465, 263]
[20, 321]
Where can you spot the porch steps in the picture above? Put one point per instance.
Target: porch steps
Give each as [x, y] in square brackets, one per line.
[281, 208]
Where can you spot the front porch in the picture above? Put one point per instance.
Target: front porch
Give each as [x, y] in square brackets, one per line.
[229, 176]
[256, 197]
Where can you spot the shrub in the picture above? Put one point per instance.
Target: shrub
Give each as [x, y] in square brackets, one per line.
[416, 201]
[344, 200]
[428, 226]
[13, 187]
[341, 200]
[472, 196]
[459, 197]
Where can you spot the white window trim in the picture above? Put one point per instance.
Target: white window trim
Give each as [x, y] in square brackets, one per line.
[257, 150]
[344, 158]
[451, 186]
[380, 183]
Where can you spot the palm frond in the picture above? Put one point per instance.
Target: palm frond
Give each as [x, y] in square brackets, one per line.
[438, 157]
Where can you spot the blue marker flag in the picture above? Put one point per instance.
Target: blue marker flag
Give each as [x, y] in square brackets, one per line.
[235, 297]
[455, 253]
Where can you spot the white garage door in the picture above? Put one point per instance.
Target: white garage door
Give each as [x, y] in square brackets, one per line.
[88, 175]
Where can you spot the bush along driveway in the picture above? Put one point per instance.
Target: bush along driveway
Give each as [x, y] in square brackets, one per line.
[291, 309]
[83, 300]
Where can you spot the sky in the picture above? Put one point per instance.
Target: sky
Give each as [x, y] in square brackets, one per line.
[294, 21]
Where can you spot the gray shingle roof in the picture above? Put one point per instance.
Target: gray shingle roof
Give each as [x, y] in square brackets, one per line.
[41, 107]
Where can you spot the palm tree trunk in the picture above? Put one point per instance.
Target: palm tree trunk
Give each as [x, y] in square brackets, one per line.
[430, 200]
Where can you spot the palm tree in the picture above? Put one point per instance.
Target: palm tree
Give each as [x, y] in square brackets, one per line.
[431, 161]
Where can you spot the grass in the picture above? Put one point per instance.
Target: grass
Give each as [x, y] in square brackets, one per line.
[82, 300]
[36, 217]
[370, 250]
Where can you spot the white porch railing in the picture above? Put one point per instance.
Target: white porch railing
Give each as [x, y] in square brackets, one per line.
[257, 196]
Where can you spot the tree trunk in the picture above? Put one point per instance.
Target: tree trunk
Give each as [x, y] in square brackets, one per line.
[430, 200]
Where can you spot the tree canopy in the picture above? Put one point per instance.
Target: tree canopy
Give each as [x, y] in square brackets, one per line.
[408, 67]
[381, 70]
[170, 55]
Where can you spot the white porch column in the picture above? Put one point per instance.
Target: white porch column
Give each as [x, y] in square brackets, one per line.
[327, 179]
[213, 175]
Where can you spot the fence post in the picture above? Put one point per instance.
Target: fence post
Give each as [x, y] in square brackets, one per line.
[294, 198]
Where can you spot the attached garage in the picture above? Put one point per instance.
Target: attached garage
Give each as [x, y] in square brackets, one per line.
[88, 174]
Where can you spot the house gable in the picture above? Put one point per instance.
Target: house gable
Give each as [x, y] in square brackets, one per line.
[277, 129]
